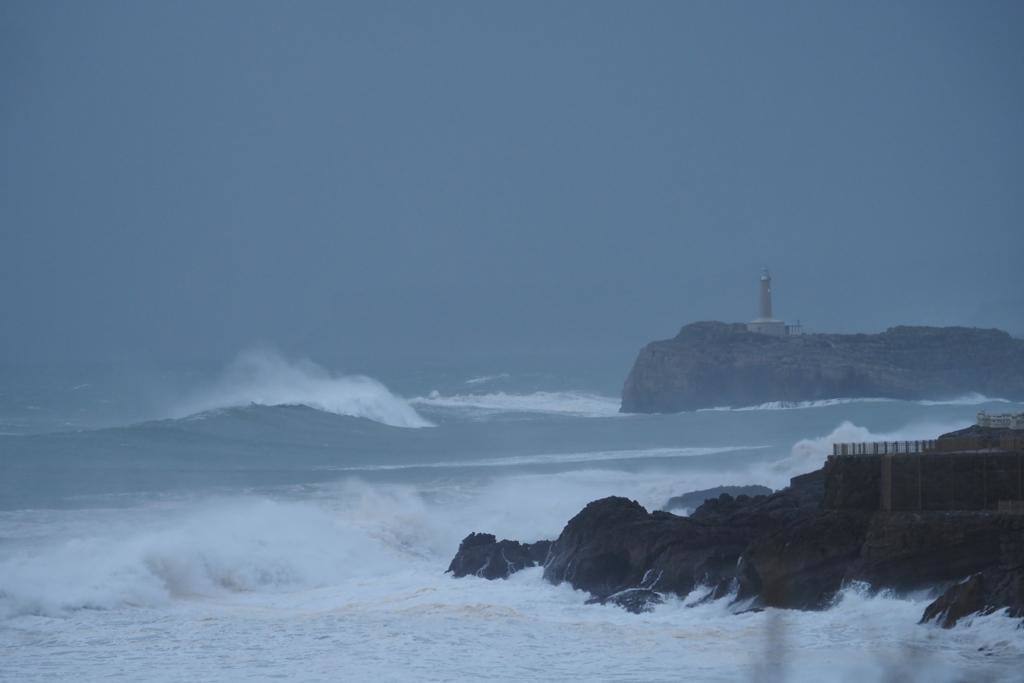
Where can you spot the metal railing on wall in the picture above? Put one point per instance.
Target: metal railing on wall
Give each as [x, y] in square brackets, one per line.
[884, 447]
[947, 445]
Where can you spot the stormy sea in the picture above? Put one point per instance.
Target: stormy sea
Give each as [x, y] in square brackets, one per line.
[279, 518]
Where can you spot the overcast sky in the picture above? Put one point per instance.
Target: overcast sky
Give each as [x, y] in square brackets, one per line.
[184, 179]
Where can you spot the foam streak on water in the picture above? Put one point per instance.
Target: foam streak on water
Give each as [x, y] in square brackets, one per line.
[556, 458]
[972, 399]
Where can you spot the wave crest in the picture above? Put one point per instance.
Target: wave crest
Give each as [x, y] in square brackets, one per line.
[810, 454]
[267, 378]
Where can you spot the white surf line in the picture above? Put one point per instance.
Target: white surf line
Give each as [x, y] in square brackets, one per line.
[552, 458]
[966, 400]
[969, 400]
[796, 405]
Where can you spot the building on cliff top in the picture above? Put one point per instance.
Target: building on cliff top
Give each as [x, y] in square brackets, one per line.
[1004, 421]
[765, 323]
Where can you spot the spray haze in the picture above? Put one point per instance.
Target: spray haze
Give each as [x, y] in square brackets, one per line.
[264, 377]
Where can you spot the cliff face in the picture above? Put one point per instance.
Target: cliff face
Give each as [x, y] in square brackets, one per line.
[712, 364]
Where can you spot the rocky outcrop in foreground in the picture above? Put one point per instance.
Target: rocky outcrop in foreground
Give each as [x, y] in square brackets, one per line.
[484, 556]
[711, 364]
[981, 593]
[790, 549]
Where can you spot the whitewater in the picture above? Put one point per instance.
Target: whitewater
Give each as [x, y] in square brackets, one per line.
[279, 519]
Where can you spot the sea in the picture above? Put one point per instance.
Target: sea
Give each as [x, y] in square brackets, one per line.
[276, 518]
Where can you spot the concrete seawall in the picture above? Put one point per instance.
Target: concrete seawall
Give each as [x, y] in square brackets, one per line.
[937, 480]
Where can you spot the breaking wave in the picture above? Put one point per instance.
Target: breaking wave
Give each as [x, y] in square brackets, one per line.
[572, 403]
[810, 454]
[214, 548]
[267, 378]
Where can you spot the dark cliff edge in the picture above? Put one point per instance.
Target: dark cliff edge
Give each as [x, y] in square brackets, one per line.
[710, 364]
[795, 548]
[694, 499]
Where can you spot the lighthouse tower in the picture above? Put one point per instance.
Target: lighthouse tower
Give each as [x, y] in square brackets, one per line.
[765, 323]
[766, 295]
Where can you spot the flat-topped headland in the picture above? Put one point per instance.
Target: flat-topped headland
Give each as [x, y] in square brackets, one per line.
[711, 364]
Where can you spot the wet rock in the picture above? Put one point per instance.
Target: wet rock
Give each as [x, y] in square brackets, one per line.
[484, 556]
[803, 564]
[635, 600]
[614, 544]
[780, 550]
[982, 593]
[912, 550]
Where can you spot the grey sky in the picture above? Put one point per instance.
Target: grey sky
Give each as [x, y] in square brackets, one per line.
[186, 179]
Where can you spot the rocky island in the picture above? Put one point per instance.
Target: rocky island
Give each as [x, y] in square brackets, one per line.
[945, 515]
[711, 364]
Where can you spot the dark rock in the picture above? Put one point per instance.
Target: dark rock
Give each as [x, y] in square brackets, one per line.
[712, 364]
[852, 482]
[804, 563]
[614, 544]
[693, 499]
[982, 593]
[912, 550]
[967, 597]
[987, 437]
[484, 556]
[785, 550]
[635, 600]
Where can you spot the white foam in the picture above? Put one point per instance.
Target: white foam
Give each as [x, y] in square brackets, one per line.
[570, 403]
[266, 378]
[217, 546]
[352, 582]
[971, 399]
[810, 453]
[484, 379]
[798, 405]
[553, 458]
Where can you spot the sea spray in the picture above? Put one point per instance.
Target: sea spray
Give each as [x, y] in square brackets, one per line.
[265, 377]
[810, 453]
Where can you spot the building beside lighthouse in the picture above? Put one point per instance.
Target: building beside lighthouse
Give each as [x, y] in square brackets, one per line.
[765, 323]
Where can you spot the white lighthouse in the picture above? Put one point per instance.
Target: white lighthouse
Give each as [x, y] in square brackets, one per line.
[765, 323]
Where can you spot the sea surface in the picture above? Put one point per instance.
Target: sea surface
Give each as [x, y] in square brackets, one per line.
[278, 519]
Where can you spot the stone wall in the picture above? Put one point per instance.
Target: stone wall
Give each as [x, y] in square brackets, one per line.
[926, 481]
